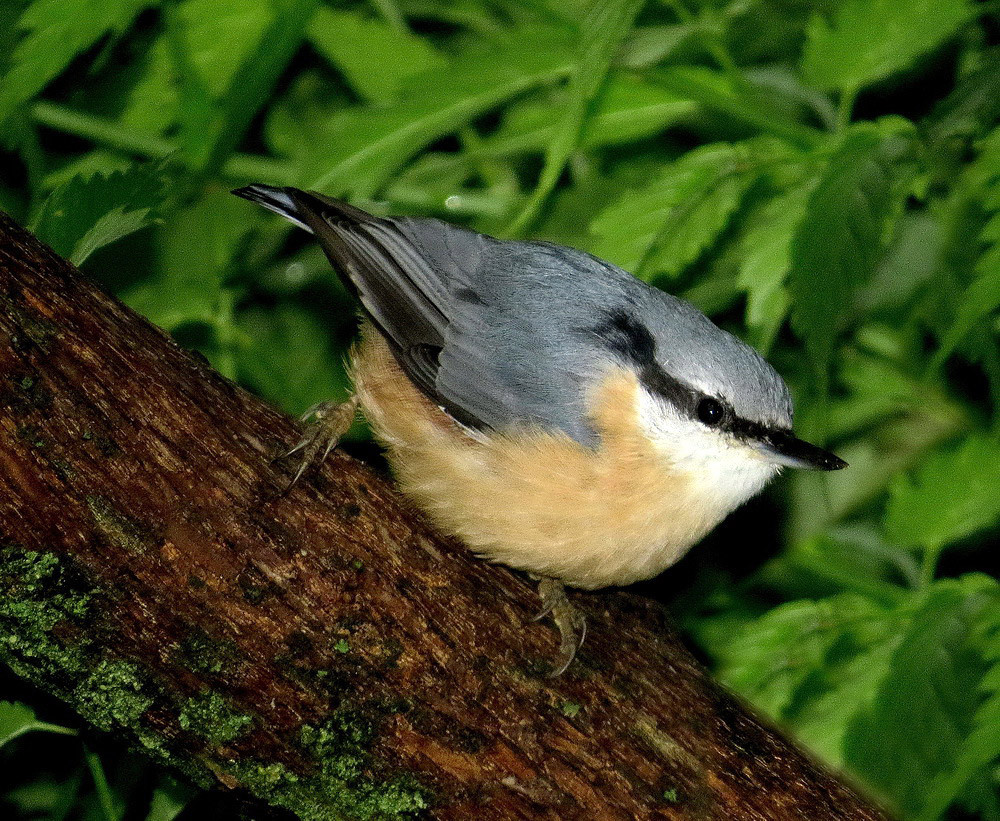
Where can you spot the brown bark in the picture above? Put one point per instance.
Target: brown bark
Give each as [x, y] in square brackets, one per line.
[321, 648]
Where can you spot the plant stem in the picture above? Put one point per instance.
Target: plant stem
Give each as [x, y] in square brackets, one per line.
[114, 135]
[100, 130]
[694, 87]
[929, 566]
[101, 787]
[845, 107]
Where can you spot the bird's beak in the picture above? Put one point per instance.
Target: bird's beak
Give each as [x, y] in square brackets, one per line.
[784, 448]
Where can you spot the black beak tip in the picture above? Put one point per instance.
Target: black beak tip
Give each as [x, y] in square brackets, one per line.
[795, 452]
[832, 462]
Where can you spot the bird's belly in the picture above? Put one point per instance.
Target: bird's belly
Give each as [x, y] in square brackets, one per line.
[538, 500]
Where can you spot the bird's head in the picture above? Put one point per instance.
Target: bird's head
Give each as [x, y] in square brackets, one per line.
[711, 403]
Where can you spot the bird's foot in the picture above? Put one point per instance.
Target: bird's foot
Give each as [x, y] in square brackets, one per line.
[327, 422]
[568, 619]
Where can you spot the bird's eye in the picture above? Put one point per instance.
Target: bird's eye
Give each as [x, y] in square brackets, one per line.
[710, 411]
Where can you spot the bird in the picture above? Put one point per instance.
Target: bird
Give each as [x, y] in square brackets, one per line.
[550, 410]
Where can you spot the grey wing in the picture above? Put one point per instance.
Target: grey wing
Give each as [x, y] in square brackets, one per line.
[478, 324]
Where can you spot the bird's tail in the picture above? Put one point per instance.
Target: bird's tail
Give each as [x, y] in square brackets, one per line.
[397, 280]
[303, 208]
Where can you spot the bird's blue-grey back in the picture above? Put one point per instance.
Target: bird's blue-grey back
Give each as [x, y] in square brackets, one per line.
[505, 333]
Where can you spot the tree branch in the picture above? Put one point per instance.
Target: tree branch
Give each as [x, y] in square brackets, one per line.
[321, 648]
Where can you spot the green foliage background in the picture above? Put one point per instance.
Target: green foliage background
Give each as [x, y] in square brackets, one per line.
[823, 178]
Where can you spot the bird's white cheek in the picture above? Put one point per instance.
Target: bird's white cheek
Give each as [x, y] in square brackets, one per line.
[723, 472]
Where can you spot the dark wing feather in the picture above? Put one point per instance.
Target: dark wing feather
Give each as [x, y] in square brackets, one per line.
[401, 278]
[482, 326]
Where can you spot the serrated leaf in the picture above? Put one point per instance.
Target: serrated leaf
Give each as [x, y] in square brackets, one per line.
[663, 227]
[88, 213]
[363, 146]
[375, 57]
[926, 703]
[982, 297]
[56, 31]
[627, 109]
[605, 25]
[16, 719]
[194, 253]
[766, 249]
[952, 495]
[839, 241]
[868, 40]
[981, 748]
[771, 660]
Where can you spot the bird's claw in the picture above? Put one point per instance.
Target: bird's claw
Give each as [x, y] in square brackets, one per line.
[326, 422]
[568, 619]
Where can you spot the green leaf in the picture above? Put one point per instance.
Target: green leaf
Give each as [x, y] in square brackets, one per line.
[648, 45]
[926, 704]
[978, 301]
[605, 26]
[952, 495]
[289, 358]
[981, 748]
[195, 250]
[88, 213]
[56, 31]
[364, 146]
[850, 683]
[766, 249]
[627, 109]
[839, 242]
[169, 798]
[774, 659]
[204, 46]
[738, 99]
[220, 35]
[151, 105]
[974, 105]
[165, 806]
[251, 84]
[375, 57]
[867, 40]
[16, 719]
[663, 227]
[982, 297]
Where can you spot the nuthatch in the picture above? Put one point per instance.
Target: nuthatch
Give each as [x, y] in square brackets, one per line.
[552, 411]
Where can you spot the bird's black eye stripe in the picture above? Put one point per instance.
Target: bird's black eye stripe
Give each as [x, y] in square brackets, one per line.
[626, 336]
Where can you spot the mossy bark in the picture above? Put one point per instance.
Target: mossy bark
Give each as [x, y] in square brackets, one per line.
[320, 648]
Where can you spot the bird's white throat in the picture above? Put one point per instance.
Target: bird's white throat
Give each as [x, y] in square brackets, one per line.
[724, 472]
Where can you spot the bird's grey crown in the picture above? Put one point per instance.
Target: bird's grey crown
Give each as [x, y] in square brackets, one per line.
[692, 349]
[509, 333]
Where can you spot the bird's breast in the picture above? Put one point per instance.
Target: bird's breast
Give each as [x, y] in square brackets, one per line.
[535, 499]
